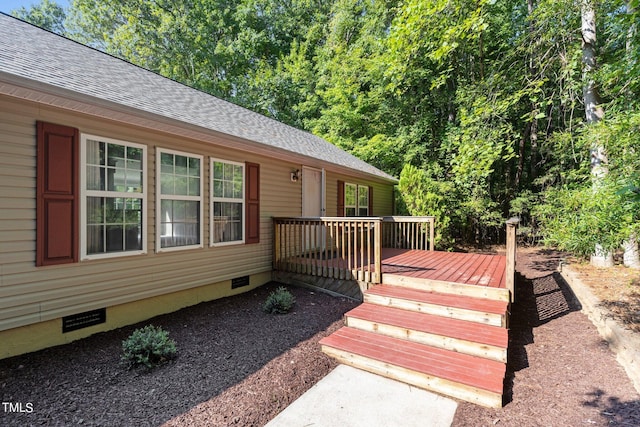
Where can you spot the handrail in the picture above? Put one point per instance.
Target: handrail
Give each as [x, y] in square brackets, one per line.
[345, 248]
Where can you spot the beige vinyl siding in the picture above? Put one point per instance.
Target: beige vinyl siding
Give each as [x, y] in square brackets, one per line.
[30, 294]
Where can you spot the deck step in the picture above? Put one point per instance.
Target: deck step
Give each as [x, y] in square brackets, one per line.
[479, 310]
[444, 286]
[456, 335]
[461, 376]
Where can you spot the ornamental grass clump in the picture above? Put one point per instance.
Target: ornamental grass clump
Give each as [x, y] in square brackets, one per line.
[149, 346]
[279, 301]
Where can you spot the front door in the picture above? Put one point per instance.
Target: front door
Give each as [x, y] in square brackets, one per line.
[313, 184]
[312, 192]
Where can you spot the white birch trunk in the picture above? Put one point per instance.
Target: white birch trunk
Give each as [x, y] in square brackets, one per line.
[631, 257]
[594, 113]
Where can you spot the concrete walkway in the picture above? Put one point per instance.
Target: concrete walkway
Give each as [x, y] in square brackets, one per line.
[349, 397]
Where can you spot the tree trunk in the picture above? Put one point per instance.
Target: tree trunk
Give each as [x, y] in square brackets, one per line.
[631, 257]
[601, 257]
[533, 72]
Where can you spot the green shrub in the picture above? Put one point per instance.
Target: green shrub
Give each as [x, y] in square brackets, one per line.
[149, 346]
[279, 301]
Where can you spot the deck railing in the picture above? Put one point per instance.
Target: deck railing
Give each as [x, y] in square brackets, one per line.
[408, 232]
[345, 248]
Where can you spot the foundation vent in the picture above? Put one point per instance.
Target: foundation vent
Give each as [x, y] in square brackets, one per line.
[84, 320]
[239, 282]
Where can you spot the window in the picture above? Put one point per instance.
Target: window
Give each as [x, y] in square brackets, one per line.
[227, 202]
[113, 197]
[363, 200]
[356, 200]
[179, 201]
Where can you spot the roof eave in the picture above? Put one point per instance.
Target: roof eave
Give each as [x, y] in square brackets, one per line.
[54, 96]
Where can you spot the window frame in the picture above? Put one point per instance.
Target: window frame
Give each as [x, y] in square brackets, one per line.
[353, 206]
[214, 199]
[160, 197]
[357, 188]
[360, 187]
[85, 193]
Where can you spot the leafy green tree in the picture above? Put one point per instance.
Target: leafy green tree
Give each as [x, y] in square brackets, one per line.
[47, 14]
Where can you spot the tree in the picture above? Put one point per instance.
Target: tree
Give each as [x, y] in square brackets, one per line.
[47, 14]
[602, 257]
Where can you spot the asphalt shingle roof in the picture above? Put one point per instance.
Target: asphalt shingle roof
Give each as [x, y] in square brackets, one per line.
[31, 53]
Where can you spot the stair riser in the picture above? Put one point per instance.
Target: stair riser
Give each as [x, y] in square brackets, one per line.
[452, 288]
[450, 312]
[460, 346]
[418, 379]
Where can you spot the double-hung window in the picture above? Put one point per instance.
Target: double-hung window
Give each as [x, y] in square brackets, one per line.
[363, 200]
[356, 200]
[179, 200]
[227, 202]
[113, 200]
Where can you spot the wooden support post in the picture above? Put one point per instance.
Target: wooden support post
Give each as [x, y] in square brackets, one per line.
[510, 273]
[377, 238]
[432, 233]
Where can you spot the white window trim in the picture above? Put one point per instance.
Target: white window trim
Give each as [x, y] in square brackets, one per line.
[346, 206]
[213, 199]
[84, 193]
[358, 199]
[357, 206]
[160, 197]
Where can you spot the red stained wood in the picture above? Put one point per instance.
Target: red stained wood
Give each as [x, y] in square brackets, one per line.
[456, 267]
[422, 322]
[461, 368]
[447, 300]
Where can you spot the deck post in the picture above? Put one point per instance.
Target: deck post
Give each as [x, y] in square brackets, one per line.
[432, 234]
[377, 239]
[276, 245]
[510, 273]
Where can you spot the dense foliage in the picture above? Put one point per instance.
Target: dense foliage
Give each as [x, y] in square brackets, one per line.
[476, 105]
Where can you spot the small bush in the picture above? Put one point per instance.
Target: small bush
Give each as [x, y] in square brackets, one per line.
[149, 346]
[279, 301]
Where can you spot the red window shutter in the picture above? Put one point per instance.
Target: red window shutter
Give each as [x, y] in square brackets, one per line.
[57, 194]
[370, 201]
[340, 211]
[252, 199]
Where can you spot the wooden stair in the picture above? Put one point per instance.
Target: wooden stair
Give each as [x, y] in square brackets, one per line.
[450, 343]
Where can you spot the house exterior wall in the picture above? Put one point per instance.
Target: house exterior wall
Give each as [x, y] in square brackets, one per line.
[132, 288]
[382, 194]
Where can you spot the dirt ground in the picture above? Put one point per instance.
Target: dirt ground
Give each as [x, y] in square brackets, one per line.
[238, 366]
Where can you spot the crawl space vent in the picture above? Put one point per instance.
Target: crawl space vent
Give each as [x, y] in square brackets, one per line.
[239, 282]
[84, 320]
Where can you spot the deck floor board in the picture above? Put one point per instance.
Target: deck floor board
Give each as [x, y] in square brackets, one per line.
[466, 268]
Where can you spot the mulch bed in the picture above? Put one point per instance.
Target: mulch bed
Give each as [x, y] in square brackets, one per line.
[238, 366]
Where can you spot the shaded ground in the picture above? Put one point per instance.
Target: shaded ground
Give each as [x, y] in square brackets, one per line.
[238, 366]
[560, 372]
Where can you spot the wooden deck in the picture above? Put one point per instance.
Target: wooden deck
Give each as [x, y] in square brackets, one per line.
[436, 320]
[456, 267]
